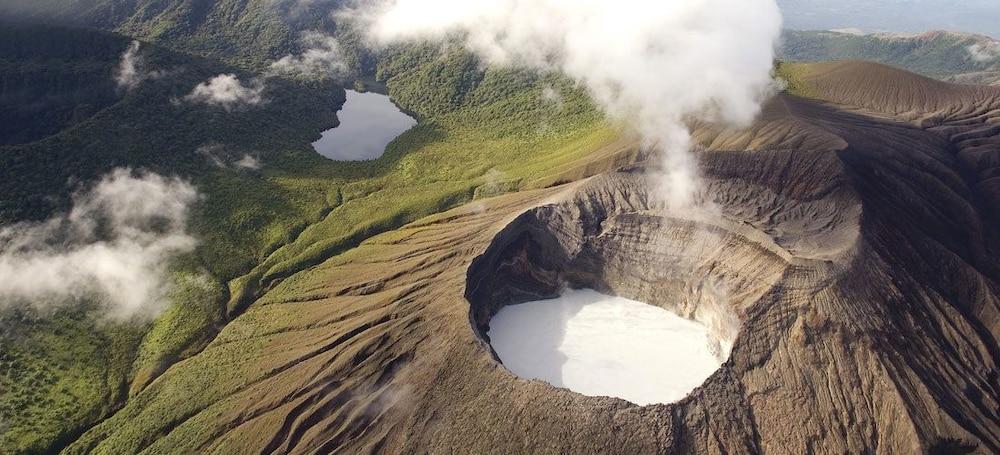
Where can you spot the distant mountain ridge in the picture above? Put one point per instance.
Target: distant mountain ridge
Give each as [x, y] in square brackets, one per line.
[951, 56]
[977, 16]
[247, 33]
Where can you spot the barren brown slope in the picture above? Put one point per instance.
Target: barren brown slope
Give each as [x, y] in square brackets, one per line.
[857, 249]
[968, 116]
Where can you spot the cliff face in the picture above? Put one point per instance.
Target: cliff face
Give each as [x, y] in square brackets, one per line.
[851, 256]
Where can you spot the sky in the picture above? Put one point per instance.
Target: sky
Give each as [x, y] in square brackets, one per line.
[908, 16]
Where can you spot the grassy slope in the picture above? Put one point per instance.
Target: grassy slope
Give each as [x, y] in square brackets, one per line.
[444, 162]
[940, 55]
[57, 375]
[480, 133]
[489, 130]
[493, 134]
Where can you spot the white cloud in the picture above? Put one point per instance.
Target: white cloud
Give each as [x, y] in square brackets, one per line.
[654, 64]
[219, 156]
[128, 75]
[213, 153]
[248, 162]
[132, 71]
[985, 52]
[114, 244]
[321, 59]
[228, 92]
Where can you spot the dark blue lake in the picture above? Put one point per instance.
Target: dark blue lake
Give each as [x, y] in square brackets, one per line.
[368, 122]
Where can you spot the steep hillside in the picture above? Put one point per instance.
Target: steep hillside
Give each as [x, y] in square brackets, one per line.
[854, 240]
[51, 83]
[956, 57]
[967, 116]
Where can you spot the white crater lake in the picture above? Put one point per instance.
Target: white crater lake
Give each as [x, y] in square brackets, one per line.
[368, 122]
[600, 345]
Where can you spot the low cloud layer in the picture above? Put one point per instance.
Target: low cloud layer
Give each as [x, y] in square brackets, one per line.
[228, 92]
[652, 64]
[321, 59]
[113, 245]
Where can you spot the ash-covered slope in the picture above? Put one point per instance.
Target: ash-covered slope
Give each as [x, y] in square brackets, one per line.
[966, 117]
[853, 252]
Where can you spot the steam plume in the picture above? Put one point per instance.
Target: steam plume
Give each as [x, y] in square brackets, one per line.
[114, 244]
[653, 64]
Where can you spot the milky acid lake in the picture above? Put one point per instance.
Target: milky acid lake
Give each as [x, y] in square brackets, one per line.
[600, 345]
[368, 122]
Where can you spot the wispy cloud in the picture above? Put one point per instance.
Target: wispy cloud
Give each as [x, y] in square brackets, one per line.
[222, 157]
[131, 70]
[321, 59]
[114, 245]
[248, 162]
[984, 52]
[228, 92]
[128, 74]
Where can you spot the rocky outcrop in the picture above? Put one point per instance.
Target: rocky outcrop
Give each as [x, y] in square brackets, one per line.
[849, 255]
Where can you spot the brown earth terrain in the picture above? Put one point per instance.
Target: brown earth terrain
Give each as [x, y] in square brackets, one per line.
[851, 253]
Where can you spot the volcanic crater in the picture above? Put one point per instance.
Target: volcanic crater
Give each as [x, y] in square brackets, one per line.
[712, 264]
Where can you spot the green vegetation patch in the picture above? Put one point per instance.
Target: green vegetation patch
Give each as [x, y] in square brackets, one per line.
[794, 74]
[57, 374]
